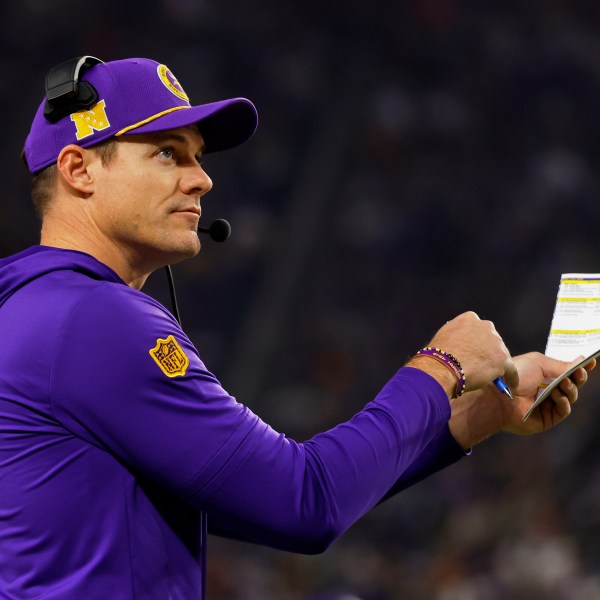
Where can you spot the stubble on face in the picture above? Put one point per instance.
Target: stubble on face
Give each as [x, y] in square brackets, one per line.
[149, 200]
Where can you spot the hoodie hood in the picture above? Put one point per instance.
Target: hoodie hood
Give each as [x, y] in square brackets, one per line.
[19, 269]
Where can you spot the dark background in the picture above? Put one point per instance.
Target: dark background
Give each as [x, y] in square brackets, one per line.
[413, 160]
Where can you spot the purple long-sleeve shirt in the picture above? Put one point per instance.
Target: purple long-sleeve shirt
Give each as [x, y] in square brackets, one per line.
[117, 443]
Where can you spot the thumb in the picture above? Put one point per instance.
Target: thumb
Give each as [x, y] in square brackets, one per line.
[511, 375]
[552, 367]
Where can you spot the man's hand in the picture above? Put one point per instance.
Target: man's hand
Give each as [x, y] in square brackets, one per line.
[533, 369]
[480, 414]
[479, 348]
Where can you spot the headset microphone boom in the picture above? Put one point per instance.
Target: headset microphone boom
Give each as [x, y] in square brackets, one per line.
[219, 230]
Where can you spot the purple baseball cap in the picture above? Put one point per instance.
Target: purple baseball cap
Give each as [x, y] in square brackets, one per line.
[137, 95]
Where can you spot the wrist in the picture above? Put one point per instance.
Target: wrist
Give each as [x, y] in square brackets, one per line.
[450, 363]
[436, 370]
[475, 417]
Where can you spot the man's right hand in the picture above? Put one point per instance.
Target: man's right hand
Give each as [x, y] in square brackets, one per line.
[477, 346]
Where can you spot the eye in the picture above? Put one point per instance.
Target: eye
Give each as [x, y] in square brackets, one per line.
[167, 153]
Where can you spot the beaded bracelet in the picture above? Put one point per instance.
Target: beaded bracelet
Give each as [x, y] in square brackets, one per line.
[451, 362]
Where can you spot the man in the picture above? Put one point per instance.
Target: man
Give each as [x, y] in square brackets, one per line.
[117, 444]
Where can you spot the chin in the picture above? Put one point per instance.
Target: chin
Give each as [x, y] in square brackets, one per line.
[185, 251]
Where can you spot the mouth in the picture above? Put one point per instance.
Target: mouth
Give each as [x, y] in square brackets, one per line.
[191, 210]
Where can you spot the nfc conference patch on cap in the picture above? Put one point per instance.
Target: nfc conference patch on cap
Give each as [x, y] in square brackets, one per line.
[171, 83]
[170, 357]
[88, 122]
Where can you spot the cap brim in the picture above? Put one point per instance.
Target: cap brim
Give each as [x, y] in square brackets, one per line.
[223, 125]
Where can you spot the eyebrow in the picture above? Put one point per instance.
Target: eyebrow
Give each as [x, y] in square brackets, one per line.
[164, 136]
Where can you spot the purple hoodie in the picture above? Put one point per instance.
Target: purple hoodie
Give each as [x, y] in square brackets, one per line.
[116, 443]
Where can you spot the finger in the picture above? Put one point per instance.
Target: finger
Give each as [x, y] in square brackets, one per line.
[470, 314]
[551, 367]
[511, 375]
[569, 389]
[580, 377]
[560, 408]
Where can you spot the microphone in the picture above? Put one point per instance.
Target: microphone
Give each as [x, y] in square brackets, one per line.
[219, 230]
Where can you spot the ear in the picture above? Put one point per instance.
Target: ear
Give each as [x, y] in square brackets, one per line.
[73, 164]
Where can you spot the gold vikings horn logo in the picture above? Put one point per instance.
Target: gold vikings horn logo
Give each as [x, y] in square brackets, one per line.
[169, 356]
[171, 83]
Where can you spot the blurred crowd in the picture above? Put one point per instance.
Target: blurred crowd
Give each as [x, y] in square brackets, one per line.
[413, 160]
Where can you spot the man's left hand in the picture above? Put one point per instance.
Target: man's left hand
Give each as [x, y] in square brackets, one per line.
[534, 368]
[477, 415]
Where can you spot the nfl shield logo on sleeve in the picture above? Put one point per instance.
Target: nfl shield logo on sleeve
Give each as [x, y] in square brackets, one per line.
[170, 357]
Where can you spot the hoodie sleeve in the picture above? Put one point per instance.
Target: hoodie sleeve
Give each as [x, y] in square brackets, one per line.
[127, 379]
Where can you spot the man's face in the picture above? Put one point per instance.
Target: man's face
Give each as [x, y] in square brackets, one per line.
[147, 199]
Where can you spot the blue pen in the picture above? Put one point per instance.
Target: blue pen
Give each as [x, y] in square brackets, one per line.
[501, 385]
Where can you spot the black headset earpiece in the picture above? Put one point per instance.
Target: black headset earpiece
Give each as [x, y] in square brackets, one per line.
[65, 94]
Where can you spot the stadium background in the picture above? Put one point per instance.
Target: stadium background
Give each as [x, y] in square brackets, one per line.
[414, 160]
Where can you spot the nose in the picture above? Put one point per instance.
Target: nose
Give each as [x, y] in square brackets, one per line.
[196, 181]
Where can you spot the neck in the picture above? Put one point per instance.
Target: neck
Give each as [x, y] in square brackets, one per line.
[68, 236]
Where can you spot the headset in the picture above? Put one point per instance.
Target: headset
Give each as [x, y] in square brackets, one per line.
[66, 94]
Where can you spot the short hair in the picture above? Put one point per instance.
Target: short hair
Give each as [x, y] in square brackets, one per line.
[44, 182]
